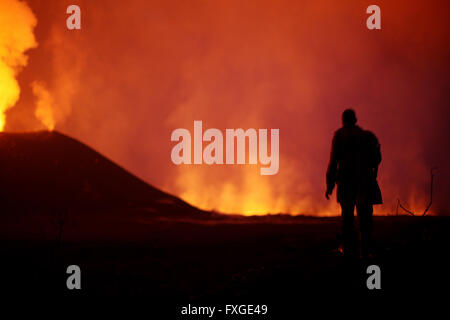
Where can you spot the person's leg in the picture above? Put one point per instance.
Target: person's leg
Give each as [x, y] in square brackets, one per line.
[365, 214]
[348, 227]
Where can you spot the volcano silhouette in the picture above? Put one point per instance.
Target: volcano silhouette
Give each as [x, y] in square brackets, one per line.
[49, 170]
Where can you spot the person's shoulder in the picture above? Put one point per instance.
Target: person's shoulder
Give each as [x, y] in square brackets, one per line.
[370, 134]
[371, 137]
[339, 131]
[338, 134]
[350, 130]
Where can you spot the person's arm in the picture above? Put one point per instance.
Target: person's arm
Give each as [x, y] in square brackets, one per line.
[332, 168]
[377, 154]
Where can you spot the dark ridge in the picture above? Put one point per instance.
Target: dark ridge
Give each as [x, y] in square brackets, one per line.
[49, 170]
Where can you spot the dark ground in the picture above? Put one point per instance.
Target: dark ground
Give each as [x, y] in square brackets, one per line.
[260, 260]
[63, 203]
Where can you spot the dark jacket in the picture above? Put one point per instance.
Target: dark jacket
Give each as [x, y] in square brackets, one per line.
[355, 156]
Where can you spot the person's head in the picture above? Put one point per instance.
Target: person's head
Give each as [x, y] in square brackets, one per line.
[349, 117]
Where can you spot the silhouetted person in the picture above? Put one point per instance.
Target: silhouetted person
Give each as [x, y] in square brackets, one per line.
[355, 156]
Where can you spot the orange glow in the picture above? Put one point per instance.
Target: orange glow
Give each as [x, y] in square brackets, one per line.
[9, 91]
[241, 189]
[142, 68]
[44, 105]
[16, 36]
[255, 197]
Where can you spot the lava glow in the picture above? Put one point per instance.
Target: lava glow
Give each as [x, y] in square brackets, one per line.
[16, 37]
[139, 69]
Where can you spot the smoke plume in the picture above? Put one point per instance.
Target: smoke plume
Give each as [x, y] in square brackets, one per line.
[17, 22]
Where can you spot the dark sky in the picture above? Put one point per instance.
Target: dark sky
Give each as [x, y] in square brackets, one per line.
[137, 70]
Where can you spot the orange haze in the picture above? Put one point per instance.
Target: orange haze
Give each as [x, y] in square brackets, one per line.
[139, 69]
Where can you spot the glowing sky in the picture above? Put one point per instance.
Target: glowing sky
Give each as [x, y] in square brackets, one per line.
[139, 69]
